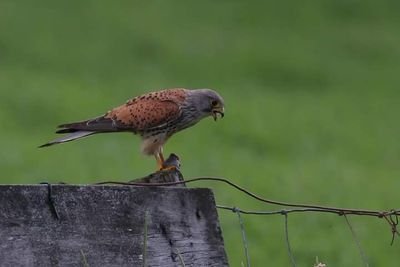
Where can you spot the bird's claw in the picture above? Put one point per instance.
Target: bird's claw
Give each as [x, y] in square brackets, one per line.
[168, 168]
[172, 163]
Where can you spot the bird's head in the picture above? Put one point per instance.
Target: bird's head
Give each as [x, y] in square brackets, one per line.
[208, 102]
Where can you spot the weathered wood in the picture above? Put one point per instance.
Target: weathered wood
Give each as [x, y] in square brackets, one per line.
[108, 226]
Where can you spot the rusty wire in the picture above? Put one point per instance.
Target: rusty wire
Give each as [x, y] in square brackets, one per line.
[303, 207]
[391, 216]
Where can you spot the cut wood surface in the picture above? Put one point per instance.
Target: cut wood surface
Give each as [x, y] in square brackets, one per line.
[109, 225]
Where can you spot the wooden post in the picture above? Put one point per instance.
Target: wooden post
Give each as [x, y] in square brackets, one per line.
[75, 225]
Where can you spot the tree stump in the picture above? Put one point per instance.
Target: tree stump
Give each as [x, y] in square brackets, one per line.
[108, 225]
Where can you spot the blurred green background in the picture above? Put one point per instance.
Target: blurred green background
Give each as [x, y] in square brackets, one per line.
[312, 107]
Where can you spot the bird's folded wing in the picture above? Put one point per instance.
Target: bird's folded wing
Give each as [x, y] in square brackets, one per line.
[145, 114]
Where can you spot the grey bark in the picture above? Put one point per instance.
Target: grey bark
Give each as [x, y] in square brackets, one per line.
[109, 226]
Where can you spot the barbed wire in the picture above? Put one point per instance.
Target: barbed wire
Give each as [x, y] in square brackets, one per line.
[303, 207]
[286, 213]
[391, 216]
[357, 241]
[288, 242]
[244, 239]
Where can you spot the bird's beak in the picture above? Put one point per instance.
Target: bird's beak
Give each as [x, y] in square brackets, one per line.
[216, 111]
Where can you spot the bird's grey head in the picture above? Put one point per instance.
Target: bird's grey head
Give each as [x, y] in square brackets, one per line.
[207, 102]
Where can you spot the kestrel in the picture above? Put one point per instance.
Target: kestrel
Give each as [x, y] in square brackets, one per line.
[154, 116]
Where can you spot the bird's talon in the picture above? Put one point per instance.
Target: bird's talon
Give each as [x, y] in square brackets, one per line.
[167, 168]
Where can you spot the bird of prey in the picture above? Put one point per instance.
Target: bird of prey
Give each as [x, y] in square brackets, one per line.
[155, 117]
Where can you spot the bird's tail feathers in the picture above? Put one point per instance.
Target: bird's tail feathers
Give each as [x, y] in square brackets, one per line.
[99, 124]
[69, 137]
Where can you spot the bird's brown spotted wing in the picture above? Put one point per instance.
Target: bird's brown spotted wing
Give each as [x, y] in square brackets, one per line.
[148, 111]
[138, 114]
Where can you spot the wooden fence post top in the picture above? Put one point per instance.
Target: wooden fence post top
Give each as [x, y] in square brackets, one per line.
[109, 225]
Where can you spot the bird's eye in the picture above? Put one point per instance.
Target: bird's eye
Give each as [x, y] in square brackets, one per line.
[214, 103]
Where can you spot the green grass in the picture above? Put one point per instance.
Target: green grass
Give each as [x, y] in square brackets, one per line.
[312, 107]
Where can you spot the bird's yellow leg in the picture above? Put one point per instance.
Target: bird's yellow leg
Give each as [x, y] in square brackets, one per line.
[160, 161]
[160, 154]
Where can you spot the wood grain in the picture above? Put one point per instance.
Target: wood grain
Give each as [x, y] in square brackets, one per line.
[105, 226]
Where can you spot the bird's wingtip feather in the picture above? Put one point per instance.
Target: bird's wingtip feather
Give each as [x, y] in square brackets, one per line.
[69, 137]
[46, 145]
